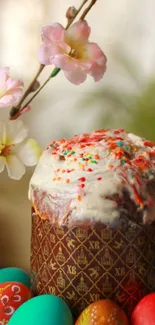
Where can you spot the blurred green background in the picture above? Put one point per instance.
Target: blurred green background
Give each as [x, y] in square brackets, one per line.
[133, 110]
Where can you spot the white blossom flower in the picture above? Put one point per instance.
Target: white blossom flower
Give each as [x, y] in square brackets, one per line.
[16, 151]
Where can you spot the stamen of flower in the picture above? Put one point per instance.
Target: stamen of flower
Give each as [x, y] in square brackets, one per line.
[73, 53]
[5, 151]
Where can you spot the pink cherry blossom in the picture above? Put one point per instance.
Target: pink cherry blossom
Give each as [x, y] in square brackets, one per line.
[10, 89]
[71, 51]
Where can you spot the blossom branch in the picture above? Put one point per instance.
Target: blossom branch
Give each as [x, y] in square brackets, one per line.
[16, 111]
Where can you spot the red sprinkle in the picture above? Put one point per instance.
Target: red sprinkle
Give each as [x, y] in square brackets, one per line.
[149, 144]
[89, 170]
[99, 178]
[82, 179]
[82, 185]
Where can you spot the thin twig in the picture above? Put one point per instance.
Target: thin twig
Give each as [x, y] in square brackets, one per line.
[16, 109]
[52, 75]
[87, 9]
[77, 12]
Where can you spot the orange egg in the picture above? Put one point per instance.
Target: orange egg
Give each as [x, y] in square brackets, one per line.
[102, 312]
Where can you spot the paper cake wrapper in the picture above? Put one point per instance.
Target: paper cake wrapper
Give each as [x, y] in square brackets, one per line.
[84, 265]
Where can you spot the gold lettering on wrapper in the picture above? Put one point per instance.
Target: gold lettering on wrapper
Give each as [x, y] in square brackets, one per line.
[94, 244]
[52, 290]
[94, 297]
[71, 269]
[119, 271]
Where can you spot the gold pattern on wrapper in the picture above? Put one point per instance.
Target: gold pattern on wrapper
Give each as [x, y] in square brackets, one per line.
[85, 265]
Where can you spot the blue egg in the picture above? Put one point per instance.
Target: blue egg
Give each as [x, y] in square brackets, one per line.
[14, 274]
[42, 310]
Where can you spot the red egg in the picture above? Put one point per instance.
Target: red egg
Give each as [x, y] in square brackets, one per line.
[102, 312]
[144, 312]
[12, 296]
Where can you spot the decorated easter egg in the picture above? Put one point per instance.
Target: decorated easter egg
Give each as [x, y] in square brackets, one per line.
[12, 296]
[10, 274]
[144, 312]
[43, 310]
[102, 312]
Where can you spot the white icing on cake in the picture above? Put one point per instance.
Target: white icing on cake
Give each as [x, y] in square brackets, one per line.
[79, 177]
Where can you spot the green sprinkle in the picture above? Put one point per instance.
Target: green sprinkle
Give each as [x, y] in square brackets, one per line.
[123, 161]
[73, 152]
[94, 162]
[120, 143]
[90, 157]
[83, 159]
[66, 153]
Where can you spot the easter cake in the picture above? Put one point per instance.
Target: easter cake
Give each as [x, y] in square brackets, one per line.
[93, 230]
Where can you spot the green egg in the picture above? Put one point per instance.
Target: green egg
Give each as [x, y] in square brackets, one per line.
[14, 274]
[42, 310]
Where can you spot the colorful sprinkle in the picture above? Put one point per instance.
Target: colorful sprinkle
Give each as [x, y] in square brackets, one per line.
[82, 179]
[114, 151]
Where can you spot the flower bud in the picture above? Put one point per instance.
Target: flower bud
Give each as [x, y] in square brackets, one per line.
[71, 12]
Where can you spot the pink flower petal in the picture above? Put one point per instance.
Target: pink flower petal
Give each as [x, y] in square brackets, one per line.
[94, 53]
[12, 83]
[6, 101]
[53, 33]
[85, 65]
[44, 54]
[76, 77]
[3, 76]
[65, 62]
[79, 31]
[97, 71]
[25, 110]
[47, 51]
